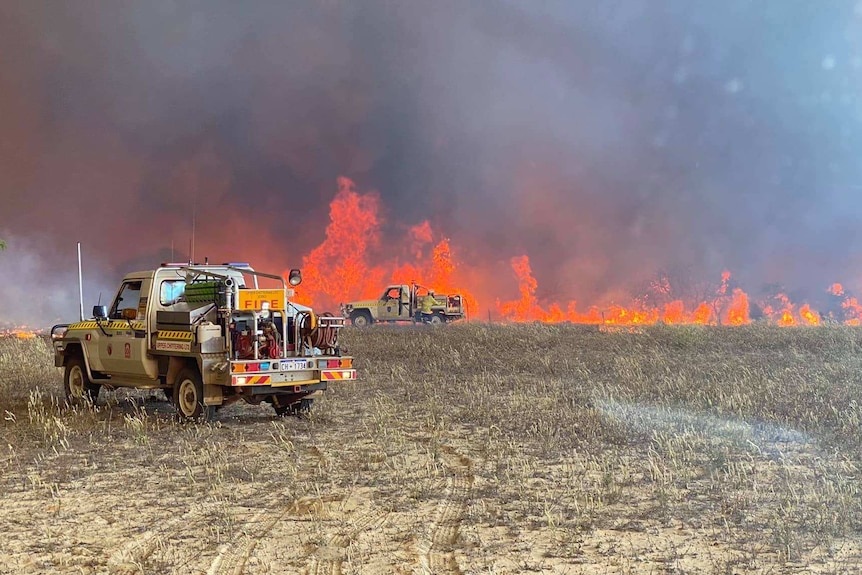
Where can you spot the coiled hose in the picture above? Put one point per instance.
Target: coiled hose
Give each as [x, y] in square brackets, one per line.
[313, 333]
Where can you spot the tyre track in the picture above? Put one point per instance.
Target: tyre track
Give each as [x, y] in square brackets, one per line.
[327, 559]
[436, 549]
[130, 557]
[233, 555]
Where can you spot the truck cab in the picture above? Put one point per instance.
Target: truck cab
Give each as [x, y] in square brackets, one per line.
[395, 303]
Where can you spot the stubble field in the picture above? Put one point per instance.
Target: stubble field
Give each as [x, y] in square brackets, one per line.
[463, 449]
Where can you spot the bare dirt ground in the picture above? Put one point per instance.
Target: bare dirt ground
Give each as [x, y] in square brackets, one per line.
[463, 449]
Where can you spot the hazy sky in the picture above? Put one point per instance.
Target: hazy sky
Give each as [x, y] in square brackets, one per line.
[606, 140]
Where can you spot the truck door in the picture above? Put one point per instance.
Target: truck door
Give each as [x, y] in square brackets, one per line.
[124, 351]
[390, 304]
[405, 312]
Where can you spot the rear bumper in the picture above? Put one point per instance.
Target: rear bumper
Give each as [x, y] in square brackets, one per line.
[290, 379]
[283, 389]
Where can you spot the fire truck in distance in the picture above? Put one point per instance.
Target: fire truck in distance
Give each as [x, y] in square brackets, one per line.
[402, 302]
[208, 335]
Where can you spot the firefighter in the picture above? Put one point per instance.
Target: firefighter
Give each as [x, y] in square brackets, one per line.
[427, 303]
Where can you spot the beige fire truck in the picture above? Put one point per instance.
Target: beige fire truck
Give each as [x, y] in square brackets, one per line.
[208, 335]
[402, 302]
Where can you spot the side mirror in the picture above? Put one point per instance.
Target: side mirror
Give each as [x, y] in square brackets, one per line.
[294, 278]
[100, 311]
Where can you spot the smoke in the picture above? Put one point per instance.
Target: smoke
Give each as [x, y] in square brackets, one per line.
[39, 291]
[606, 141]
[766, 438]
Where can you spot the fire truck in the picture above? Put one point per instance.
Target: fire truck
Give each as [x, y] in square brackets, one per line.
[402, 302]
[208, 336]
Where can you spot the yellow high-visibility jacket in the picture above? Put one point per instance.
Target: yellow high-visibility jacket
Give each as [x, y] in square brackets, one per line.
[427, 302]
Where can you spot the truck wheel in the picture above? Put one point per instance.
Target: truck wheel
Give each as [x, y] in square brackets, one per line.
[188, 397]
[437, 319]
[77, 385]
[360, 319]
[301, 407]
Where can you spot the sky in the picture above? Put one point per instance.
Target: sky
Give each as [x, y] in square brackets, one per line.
[609, 141]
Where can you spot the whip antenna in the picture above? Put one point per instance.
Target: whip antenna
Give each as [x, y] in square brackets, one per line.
[80, 284]
[194, 218]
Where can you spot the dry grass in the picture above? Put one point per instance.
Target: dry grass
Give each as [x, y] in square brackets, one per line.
[470, 448]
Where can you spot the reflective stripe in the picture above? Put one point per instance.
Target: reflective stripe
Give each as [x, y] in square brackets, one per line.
[114, 324]
[338, 375]
[173, 334]
[250, 380]
[84, 325]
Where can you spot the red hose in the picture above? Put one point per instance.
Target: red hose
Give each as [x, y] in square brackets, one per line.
[322, 336]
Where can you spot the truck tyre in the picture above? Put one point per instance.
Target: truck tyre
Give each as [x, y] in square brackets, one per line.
[77, 385]
[437, 319]
[188, 397]
[361, 319]
[301, 407]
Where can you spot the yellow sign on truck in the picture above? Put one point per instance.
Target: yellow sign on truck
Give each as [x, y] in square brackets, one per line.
[251, 299]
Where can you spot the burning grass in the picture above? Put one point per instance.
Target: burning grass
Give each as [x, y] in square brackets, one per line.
[353, 263]
[470, 448]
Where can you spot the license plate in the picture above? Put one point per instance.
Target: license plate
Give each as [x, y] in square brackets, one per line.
[293, 364]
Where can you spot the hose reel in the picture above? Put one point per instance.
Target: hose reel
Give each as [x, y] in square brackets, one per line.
[316, 333]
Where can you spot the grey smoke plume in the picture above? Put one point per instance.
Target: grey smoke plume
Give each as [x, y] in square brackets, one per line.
[606, 140]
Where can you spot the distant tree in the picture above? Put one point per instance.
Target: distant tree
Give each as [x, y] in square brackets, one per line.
[2, 245]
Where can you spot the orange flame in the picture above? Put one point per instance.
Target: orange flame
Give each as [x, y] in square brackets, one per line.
[674, 312]
[527, 308]
[785, 314]
[702, 314]
[340, 270]
[20, 332]
[853, 309]
[336, 270]
[809, 316]
[737, 314]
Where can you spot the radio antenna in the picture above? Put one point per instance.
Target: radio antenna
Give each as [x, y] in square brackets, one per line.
[194, 218]
[80, 284]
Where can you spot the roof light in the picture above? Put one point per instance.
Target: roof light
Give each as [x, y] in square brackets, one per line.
[237, 264]
[294, 278]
